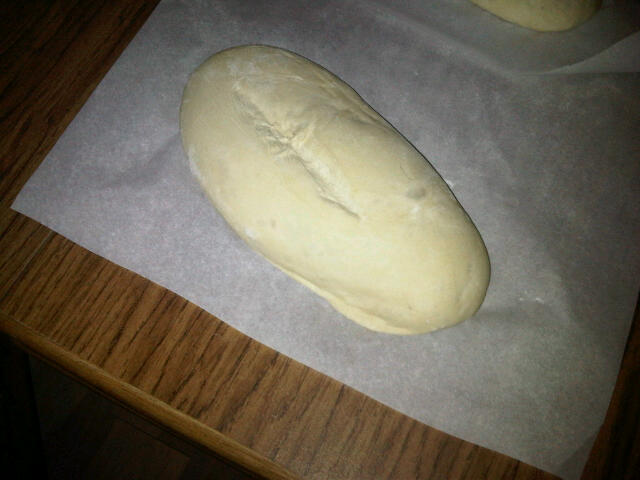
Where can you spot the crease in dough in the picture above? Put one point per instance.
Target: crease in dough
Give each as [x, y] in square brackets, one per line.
[290, 143]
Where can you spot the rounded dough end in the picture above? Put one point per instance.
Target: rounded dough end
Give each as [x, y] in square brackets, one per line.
[542, 15]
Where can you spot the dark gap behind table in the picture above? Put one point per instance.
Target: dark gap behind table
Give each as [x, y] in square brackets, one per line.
[86, 435]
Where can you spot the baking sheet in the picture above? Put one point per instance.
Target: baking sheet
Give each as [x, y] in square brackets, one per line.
[545, 164]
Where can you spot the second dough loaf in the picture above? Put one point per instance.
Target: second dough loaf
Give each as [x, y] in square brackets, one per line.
[542, 15]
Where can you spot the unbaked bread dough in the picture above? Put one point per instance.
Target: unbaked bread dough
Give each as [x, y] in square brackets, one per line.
[542, 15]
[315, 180]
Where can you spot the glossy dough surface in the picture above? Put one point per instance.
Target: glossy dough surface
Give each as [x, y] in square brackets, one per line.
[322, 186]
[542, 15]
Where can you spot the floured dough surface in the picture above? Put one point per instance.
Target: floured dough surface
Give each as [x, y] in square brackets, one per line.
[542, 15]
[315, 180]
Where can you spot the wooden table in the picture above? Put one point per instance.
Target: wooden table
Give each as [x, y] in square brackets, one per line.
[146, 347]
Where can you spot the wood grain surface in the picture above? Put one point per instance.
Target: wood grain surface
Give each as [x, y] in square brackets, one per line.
[616, 451]
[154, 351]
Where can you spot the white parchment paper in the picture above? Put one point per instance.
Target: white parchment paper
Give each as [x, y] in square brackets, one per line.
[545, 161]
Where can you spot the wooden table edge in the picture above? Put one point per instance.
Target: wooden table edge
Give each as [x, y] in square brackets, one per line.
[143, 403]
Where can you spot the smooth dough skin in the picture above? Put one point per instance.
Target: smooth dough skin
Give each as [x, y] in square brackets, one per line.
[315, 180]
[542, 15]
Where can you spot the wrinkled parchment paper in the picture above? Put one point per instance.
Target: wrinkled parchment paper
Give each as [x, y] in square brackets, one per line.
[545, 161]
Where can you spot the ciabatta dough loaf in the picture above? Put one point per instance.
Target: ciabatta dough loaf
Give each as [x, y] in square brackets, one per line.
[315, 180]
[542, 15]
